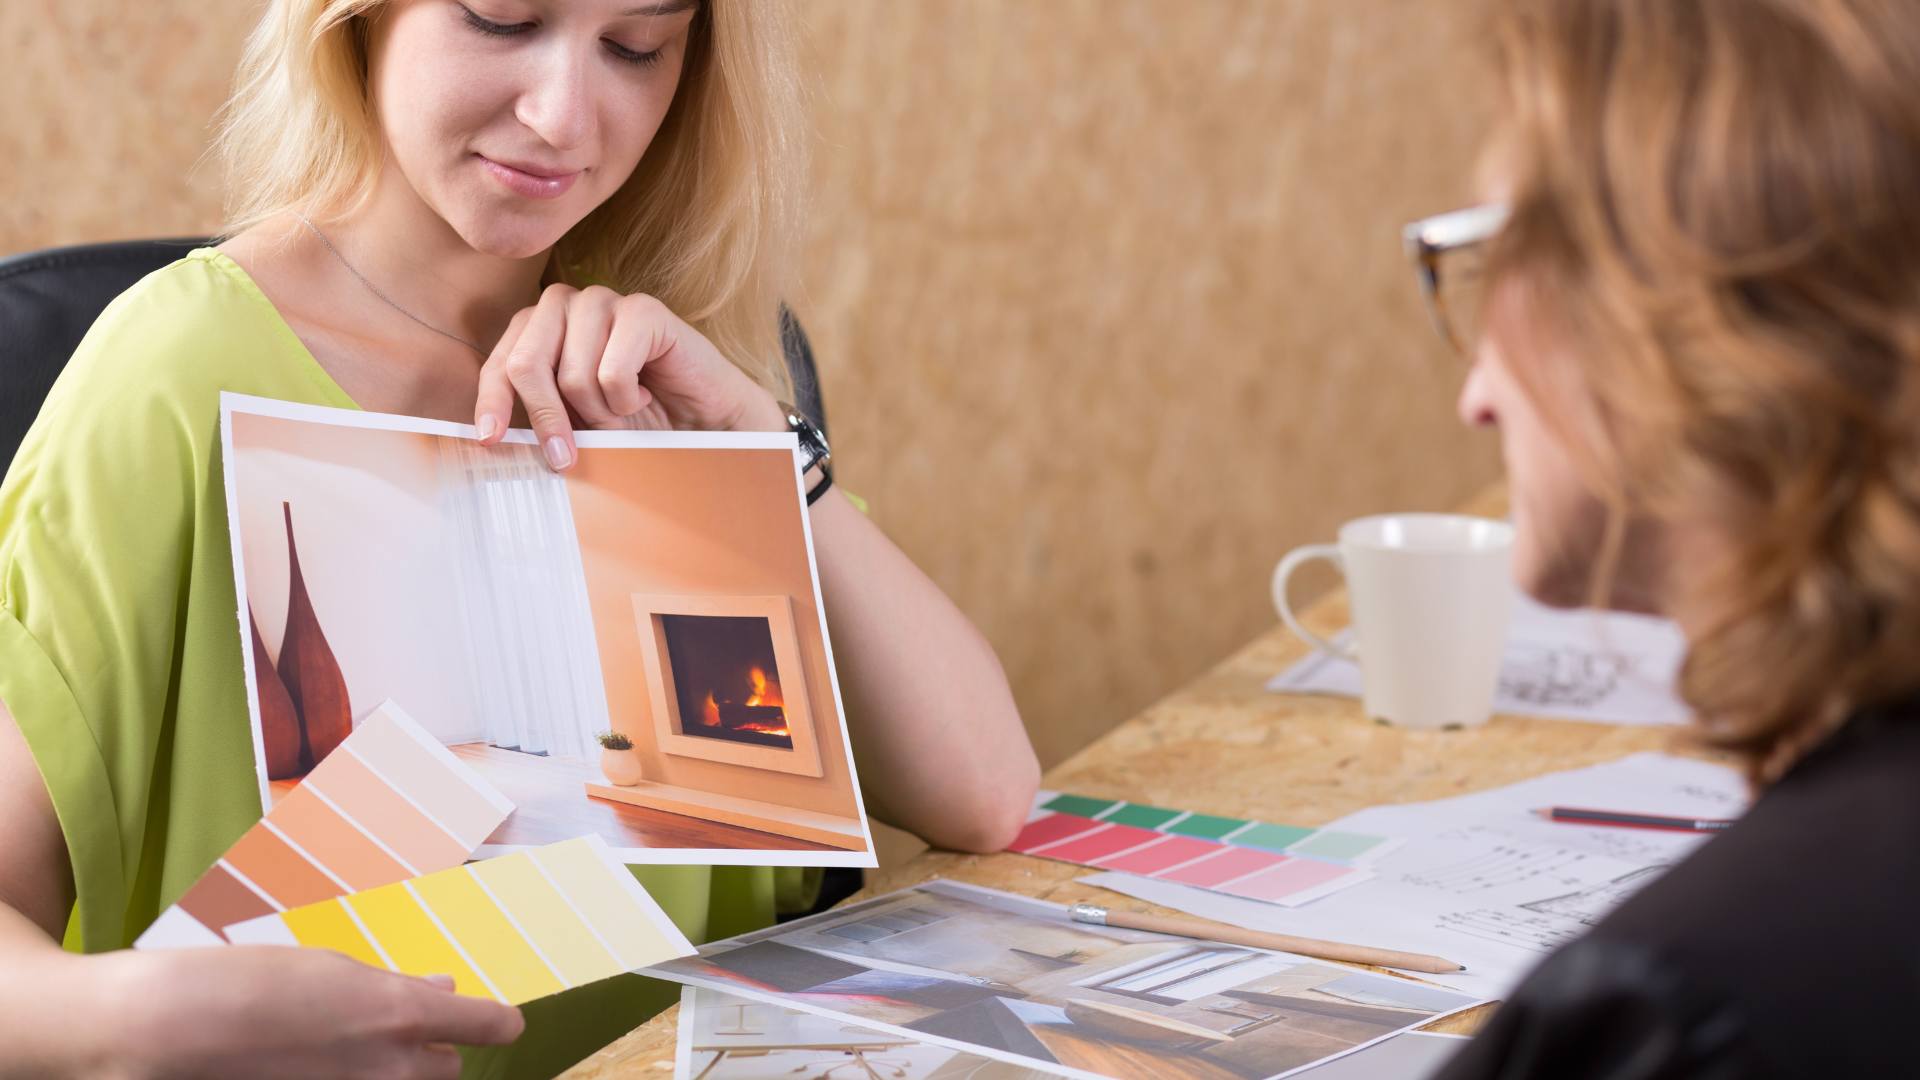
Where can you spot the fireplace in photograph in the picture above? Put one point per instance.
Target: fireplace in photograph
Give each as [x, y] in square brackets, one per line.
[725, 675]
[725, 680]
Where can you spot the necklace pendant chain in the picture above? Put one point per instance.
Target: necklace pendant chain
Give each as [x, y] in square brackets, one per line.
[384, 298]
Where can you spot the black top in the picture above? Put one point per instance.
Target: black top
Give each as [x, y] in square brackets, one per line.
[1787, 946]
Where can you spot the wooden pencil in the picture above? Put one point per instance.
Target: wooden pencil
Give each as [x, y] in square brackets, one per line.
[1578, 815]
[1205, 930]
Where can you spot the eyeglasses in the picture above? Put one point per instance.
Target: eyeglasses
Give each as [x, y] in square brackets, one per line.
[1449, 259]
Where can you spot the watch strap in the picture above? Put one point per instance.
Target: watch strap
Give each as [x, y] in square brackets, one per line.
[819, 489]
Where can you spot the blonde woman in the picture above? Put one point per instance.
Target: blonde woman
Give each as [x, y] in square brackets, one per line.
[575, 211]
[1702, 353]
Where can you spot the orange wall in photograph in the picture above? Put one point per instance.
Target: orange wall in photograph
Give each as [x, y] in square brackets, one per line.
[702, 521]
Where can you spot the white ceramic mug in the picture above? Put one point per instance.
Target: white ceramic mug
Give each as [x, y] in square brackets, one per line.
[1430, 595]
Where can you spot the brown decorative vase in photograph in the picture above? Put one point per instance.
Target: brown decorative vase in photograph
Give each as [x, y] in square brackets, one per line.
[279, 723]
[308, 667]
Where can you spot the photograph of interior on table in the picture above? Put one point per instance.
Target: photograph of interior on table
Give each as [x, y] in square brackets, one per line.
[934, 540]
[1020, 981]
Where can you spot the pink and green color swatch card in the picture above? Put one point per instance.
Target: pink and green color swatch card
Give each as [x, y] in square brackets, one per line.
[1278, 864]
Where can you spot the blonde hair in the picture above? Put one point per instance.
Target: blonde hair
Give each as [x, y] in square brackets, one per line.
[706, 223]
[1716, 221]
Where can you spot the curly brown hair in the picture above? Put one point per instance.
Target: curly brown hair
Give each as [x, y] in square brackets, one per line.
[1716, 211]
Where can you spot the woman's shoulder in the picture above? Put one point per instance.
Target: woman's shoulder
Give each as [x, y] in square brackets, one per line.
[1777, 941]
[141, 392]
[1792, 873]
[172, 342]
[189, 318]
[1612, 1009]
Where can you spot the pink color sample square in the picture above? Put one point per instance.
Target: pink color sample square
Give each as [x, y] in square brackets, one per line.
[1231, 863]
[1046, 830]
[1151, 860]
[1098, 845]
[1292, 876]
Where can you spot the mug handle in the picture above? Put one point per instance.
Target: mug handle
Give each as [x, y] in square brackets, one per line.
[1283, 572]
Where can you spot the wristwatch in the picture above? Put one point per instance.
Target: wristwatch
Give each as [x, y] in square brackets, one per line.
[813, 448]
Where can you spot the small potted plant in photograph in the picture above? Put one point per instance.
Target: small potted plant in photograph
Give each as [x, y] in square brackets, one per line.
[617, 760]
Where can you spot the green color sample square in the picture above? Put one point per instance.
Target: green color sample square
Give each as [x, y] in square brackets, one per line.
[1272, 837]
[1145, 817]
[1205, 826]
[1080, 805]
[1337, 845]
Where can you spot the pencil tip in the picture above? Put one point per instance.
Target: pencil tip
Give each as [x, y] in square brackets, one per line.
[1462, 967]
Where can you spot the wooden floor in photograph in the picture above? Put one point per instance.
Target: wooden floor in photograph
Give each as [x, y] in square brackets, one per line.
[550, 805]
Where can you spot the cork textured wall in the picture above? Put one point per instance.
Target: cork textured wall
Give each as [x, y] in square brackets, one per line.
[1107, 294]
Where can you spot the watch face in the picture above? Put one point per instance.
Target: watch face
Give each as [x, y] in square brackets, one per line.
[812, 440]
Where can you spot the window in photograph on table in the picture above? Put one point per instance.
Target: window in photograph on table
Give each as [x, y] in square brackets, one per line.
[1187, 974]
[887, 925]
[1250, 1018]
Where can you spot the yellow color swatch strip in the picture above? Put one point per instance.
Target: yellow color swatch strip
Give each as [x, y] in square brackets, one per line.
[477, 923]
[400, 924]
[544, 914]
[327, 925]
[513, 928]
[586, 878]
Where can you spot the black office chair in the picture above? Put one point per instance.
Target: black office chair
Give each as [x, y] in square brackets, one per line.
[49, 298]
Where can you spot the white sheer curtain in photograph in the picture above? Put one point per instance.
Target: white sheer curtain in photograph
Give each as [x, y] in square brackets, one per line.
[523, 594]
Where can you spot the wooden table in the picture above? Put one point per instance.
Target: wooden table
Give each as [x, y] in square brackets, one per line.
[1223, 744]
[856, 1053]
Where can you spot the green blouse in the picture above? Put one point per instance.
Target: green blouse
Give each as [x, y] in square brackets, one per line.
[120, 651]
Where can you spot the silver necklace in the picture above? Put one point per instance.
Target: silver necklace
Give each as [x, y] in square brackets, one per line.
[388, 300]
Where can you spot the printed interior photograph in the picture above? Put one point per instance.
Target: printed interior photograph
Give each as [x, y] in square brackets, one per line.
[634, 649]
[1015, 980]
[723, 1037]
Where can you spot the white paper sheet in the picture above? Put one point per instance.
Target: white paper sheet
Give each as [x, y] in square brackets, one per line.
[1482, 879]
[1599, 666]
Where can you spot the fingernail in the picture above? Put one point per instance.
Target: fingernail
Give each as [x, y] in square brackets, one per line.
[488, 425]
[558, 455]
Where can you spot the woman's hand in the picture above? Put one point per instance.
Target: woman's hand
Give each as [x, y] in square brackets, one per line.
[613, 362]
[271, 1011]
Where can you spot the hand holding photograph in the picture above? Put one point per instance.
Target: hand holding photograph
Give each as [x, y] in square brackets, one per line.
[635, 649]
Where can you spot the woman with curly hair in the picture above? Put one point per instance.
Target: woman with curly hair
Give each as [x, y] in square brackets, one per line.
[1700, 343]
